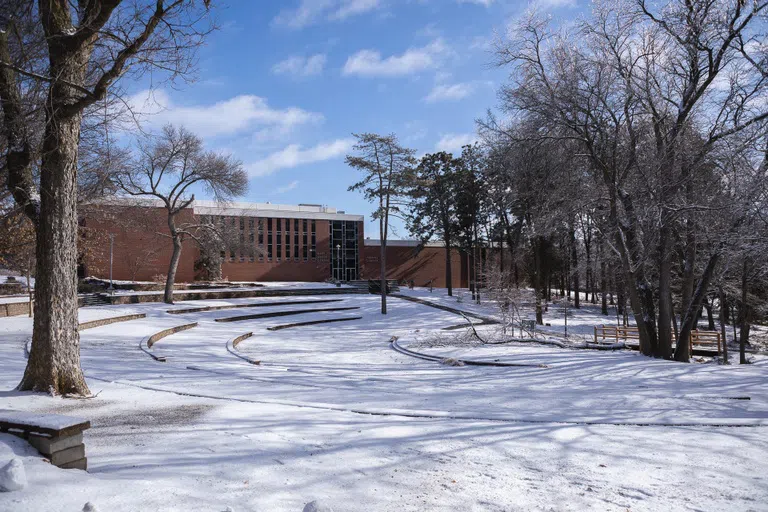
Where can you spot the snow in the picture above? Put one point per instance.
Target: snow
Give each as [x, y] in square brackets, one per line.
[12, 476]
[43, 421]
[333, 414]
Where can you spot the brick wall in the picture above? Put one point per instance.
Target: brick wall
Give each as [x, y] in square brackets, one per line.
[406, 263]
[141, 252]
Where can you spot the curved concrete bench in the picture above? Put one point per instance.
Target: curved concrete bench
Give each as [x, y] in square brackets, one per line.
[232, 347]
[253, 305]
[313, 322]
[469, 362]
[106, 321]
[151, 340]
[282, 313]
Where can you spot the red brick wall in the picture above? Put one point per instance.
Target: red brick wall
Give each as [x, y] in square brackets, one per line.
[408, 263]
[141, 252]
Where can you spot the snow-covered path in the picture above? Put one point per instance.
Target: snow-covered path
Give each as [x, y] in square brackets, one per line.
[333, 413]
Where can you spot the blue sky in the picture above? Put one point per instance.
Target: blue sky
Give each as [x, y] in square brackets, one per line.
[284, 84]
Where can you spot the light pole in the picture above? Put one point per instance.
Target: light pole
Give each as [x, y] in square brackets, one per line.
[111, 253]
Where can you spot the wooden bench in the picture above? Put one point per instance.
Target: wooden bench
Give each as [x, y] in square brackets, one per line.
[58, 438]
[706, 340]
[614, 334]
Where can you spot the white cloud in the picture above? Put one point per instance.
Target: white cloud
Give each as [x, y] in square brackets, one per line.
[301, 66]
[310, 12]
[449, 92]
[286, 188]
[294, 156]
[371, 63]
[221, 118]
[453, 142]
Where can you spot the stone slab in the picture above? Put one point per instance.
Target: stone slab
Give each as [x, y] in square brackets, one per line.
[68, 455]
[76, 464]
[49, 445]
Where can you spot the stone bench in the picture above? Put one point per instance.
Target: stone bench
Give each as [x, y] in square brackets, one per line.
[58, 438]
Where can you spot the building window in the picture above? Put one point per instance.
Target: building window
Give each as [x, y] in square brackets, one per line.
[279, 242]
[269, 239]
[296, 239]
[313, 247]
[261, 239]
[305, 244]
[287, 239]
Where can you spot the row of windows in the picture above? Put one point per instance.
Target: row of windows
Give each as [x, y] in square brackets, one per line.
[303, 229]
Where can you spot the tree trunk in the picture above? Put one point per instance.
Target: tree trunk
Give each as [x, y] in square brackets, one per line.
[603, 281]
[744, 314]
[721, 295]
[710, 317]
[682, 351]
[665, 293]
[448, 269]
[383, 267]
[172, 267]
[575, 267]
[537, 279]
[54, 360]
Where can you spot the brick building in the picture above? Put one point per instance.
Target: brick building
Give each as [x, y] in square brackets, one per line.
[276, 243]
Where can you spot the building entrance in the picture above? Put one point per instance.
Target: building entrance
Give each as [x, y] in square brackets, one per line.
[345, 256]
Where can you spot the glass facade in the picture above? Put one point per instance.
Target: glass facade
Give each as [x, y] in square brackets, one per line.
[345, 260]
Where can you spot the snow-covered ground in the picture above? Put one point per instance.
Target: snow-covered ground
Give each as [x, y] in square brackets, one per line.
[333, 413]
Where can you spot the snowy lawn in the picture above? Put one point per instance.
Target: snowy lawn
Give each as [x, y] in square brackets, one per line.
[333, 413]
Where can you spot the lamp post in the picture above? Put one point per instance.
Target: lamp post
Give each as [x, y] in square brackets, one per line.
[111, 253]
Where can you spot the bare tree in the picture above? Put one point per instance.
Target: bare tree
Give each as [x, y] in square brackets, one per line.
[649, 95]
[58, 60]
[169, 167]
[386, 168]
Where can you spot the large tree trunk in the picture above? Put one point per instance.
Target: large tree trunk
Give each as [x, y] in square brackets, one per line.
[54, 360]
[665, 294]
[682, 351]
[172, 268]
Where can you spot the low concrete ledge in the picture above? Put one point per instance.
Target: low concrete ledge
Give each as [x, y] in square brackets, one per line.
[232, 348]
[14, 309]
[106, 321]
[149, 341]
[167, 332]
[233, 294]
[253, 305]
[313, 322]
[275, 314]
[58, 438]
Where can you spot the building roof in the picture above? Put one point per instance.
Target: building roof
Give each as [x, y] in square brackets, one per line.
[202, 207]
[286, 211]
